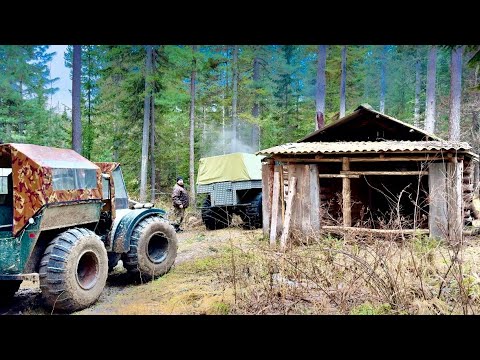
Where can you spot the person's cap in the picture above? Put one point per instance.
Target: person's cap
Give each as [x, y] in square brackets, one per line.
[179, 178]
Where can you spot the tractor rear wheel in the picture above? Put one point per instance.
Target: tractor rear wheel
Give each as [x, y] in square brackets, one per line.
[73, 270]
[153, 248]
[8, 289]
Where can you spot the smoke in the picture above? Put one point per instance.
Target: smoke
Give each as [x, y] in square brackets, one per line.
[219, 141]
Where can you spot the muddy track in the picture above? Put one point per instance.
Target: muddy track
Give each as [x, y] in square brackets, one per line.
[193, 244]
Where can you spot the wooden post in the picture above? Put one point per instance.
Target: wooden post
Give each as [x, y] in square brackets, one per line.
[437, 188]
[455, 201]
[267, 189]
[314, 197]
[282, 193]
[288, 213]
[476, 173]
[275, 202]
[295, 171]
[346, 194]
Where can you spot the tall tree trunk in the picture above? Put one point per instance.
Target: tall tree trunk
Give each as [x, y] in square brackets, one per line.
[343, 81]
[256, 104]
[152, 135]
[320, 89]
[455, 93]
[89, 100]
[146, 124]
[224, 96]
[416, 114]
[204, 125]
[234, 99]
[383, 79]
[21, 120]
[431, 79]
[76, 94]
[475, 117]
[192, 125]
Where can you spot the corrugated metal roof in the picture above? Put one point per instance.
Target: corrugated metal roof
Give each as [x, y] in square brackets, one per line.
[363, 146]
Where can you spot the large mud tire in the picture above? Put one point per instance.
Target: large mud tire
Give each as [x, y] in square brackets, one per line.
[73, 270]
[8, 289]
[215, 217]
[153, 248]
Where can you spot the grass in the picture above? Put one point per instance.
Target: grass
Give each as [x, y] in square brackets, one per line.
[233, 271]
[191, 287]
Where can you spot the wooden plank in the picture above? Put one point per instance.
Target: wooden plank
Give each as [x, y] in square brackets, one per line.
[275, 196]
[432, 157]
[438, 215]
[297, 222]
[267, 189]
[303, 198]
[288, 214]
[384, 172]
[282, 193]
[393, 158]
[476, 177]
[455, 201]
[314, 197]
[346, 195]
[342, 176]
[374, 231]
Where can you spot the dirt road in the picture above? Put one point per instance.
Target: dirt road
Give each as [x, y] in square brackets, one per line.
[189, 288]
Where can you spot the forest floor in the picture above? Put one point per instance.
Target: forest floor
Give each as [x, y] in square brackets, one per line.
[234, 271]
[189, 288]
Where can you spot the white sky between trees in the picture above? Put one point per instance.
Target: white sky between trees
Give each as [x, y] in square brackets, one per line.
[63, 97]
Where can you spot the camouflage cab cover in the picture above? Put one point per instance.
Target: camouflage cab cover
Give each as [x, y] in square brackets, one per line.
[33, 167]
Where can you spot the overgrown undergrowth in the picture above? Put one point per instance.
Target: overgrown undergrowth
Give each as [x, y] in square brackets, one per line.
[360, 275]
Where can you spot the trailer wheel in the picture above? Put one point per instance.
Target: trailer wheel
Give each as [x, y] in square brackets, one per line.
[215, 217]
[8, 288]
[153, 248]
[252, 216]
[73, 270]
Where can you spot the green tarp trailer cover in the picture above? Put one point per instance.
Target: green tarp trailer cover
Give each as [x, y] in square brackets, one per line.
[229, 167]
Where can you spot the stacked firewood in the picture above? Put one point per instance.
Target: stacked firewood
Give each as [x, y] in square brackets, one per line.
[468, 191]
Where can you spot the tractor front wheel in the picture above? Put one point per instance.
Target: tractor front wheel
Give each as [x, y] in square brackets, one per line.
[153, 248]
[73, 270]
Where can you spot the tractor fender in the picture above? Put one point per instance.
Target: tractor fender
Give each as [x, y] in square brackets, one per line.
[125, 222]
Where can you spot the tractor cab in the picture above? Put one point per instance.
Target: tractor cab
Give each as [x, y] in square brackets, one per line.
[6, 199]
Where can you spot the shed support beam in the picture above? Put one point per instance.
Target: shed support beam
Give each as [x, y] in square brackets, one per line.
[267, 189]
[346, 195]
[275, 203]
[455, 201]
[437, 213]
[395, 173]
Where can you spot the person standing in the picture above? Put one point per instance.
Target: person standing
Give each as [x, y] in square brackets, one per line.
[180, 200]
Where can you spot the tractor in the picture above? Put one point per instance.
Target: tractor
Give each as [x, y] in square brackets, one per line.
[68, 221]
[233, 185]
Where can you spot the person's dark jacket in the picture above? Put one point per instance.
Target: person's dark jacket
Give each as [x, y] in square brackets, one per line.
[180, 196]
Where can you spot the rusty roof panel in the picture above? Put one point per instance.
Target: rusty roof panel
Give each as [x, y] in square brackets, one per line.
[306, 148]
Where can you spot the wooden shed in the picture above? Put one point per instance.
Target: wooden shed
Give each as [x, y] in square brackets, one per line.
[368, 172]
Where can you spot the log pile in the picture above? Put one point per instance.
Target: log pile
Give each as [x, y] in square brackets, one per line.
[468, 192]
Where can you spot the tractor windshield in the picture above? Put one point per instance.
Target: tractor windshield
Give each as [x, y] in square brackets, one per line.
[6, 199]
[121, 197]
